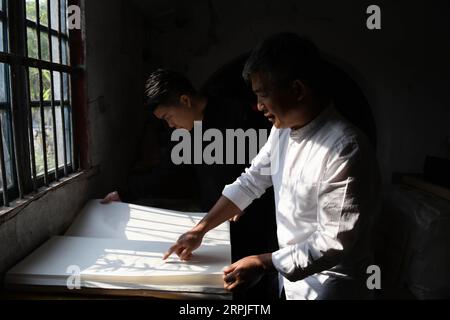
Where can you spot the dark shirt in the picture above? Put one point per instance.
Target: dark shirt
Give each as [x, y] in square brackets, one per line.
[222, 114]
[255, 232]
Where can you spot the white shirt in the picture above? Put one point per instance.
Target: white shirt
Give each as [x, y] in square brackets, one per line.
[325, 180]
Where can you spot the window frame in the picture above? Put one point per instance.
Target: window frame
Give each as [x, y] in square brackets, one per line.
[15, 55]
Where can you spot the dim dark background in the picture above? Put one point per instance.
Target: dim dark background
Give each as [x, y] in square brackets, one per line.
[401, 72]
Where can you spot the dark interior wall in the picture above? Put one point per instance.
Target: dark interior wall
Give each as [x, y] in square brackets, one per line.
[114, 36]
[402, 68]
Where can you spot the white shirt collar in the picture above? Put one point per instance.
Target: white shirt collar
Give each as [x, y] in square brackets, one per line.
[312, 126]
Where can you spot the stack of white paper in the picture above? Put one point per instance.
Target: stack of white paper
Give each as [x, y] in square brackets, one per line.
[120, 246]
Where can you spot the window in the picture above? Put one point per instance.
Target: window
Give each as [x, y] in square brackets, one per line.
[36, 125]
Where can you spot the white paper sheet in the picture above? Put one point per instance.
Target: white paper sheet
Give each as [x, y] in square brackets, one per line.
[133, 222]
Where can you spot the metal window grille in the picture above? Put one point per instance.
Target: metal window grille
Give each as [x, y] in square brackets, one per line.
[36, 123]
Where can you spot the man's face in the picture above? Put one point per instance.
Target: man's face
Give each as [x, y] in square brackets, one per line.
[274, 101]
[178, 116]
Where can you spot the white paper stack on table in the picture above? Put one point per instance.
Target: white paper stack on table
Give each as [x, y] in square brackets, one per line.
[120, 246]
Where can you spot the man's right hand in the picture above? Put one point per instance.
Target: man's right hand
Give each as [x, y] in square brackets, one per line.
[223, 210]
[185, 244]
[110, 197]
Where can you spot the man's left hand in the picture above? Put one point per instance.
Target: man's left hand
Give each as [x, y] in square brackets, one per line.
[247, 271]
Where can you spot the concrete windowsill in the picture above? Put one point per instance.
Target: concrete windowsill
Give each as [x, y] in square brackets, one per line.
[17, 205]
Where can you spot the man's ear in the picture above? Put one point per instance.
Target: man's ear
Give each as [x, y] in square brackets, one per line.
[299, 89]
[157, 112]
[185, 100]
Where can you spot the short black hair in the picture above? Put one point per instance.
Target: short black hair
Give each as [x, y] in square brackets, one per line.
[285, 57]
[165, 86]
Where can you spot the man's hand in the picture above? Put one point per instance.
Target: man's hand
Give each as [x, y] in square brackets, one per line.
[223, 210]
[247, 271]
[185, 244]
[110, 197]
